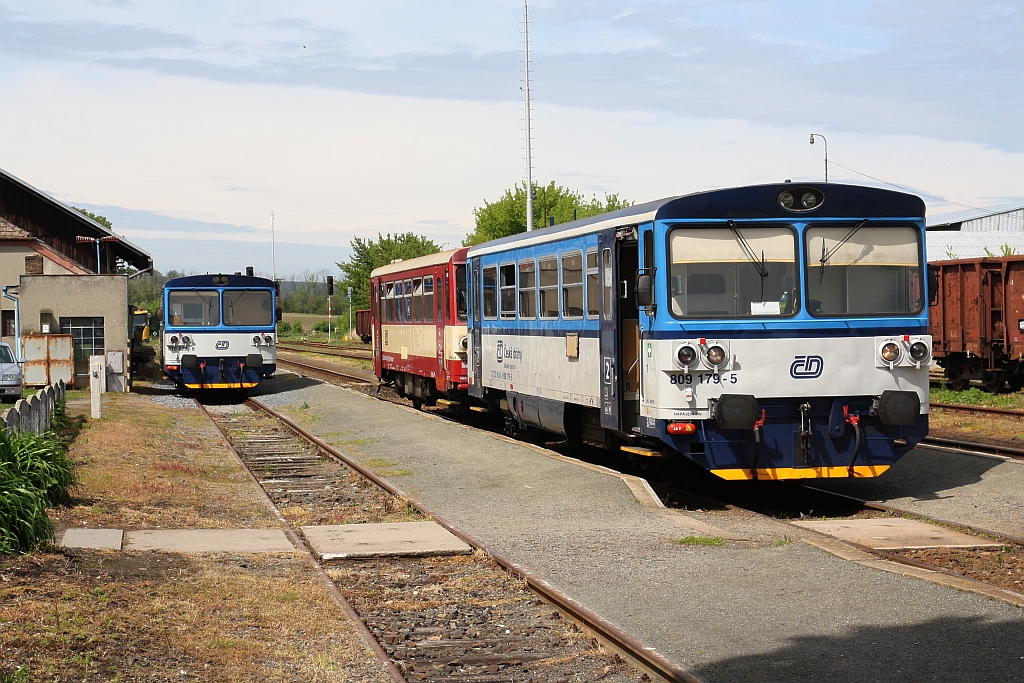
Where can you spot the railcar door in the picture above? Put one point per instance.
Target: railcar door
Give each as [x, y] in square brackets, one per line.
[475, 306]
[376, 310]
[609, 339]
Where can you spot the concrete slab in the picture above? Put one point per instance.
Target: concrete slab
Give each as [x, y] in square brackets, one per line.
[893, 533]
[415, 539]
[102, 539]
[209, 540]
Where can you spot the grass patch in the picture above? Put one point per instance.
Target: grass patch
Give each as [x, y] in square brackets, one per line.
[977, 397]
[785, 540]
[701, 540]
[35, 473]
[387, 468]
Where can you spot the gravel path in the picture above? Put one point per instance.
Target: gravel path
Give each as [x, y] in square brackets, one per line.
[746, 610]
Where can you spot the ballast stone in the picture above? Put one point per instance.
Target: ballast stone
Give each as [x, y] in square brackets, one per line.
[394, 539]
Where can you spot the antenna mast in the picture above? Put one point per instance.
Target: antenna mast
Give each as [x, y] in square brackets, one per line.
[529, 141]
[273, 248]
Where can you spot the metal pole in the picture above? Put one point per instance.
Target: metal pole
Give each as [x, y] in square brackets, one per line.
[98, 269]
[825, 140]
[350, 310]
[529, 142]
[18, 356]
[273, 248]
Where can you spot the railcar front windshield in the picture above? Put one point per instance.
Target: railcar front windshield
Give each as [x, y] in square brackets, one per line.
[193, 308]
[733, 272]
[859, 270]
[248, 307]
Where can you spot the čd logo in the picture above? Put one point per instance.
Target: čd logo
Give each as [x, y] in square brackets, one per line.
[806, 367]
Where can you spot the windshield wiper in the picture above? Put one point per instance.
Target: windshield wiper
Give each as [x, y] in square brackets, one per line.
[209, 304]
[759, 264]
[826, 255]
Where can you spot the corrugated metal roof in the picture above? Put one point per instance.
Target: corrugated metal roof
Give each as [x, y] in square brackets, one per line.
[945, 245]
[1007, 217]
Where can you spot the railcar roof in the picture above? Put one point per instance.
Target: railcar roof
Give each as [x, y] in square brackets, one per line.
[418, 262]
[207, 281]
[749, 202]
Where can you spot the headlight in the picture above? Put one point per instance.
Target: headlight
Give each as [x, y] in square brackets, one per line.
[10, 378]
[716, 355]
[174, 340]
[919, 351]
[186, 340]
[256, 339]
[686, 355]
[890, 352]
[808, 200]
[267, 339]
[786, 200]
[464, 343]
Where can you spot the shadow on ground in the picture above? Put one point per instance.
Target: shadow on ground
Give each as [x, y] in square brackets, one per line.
[959, 649]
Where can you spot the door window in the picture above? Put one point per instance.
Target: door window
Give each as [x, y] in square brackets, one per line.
[609, 285]
[490, 288]
[428, 299]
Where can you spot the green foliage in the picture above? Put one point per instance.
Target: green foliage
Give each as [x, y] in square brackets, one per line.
[146, 291]
[977, 397]
[102, 220]
[306, 294]
[35, 473]
[284, 328]
[507, 216]
[20, 675]
[950, 254]
[701, 540]
[370, 254]
[322, 327]
[1007, 250]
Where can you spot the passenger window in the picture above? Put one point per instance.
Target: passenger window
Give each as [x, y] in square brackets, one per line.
[428, 299]
[606, 266]
[407, 290]
[528, 289]
[507, 275]
[390, 295]
[490, 286]
[592, 285]
[417, 300]
[549, 287]
[572, 285]
[381, 303]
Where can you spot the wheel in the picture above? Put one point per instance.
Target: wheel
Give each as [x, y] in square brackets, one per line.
[417, 403]
[958, 384]
[993, 381]
[1016, 382]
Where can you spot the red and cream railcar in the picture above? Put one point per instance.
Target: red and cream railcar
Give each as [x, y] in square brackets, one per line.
[419, 326]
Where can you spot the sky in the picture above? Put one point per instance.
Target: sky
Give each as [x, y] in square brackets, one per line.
[188, 124]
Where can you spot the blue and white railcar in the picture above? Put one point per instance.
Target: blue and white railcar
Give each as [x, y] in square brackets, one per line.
[769, 332]
[220, 331]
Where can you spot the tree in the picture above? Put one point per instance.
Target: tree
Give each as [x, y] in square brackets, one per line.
[307, 294]
[370, 254]
[102, 220]
[507, 216]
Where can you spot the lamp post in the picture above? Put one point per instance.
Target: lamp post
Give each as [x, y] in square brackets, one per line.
[819, 135]
[97, 240]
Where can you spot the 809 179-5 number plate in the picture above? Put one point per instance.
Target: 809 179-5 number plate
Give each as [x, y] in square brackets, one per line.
[691, 378]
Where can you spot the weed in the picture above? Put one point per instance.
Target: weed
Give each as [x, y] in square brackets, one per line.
[785, 540]
[20, 675]
[304, 406]
[701, 540]
[177, 467]
[387, 468]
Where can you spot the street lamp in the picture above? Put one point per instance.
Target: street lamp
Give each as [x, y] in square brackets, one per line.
[814, 135]
[97, 240]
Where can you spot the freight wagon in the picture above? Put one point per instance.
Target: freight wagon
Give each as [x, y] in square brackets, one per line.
[364, 326]
[977, 321]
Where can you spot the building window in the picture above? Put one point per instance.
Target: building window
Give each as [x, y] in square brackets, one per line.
[549, 287]
[528, 289]
[87, 339]
[572, 285]
[508, 290]
[490, 293]
[7, 320]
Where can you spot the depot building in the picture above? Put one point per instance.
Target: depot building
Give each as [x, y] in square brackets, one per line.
[59, 274]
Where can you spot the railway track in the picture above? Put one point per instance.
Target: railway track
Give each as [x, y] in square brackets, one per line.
[478, 618]
[777, 504]
[324, 349]
[352, 377]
